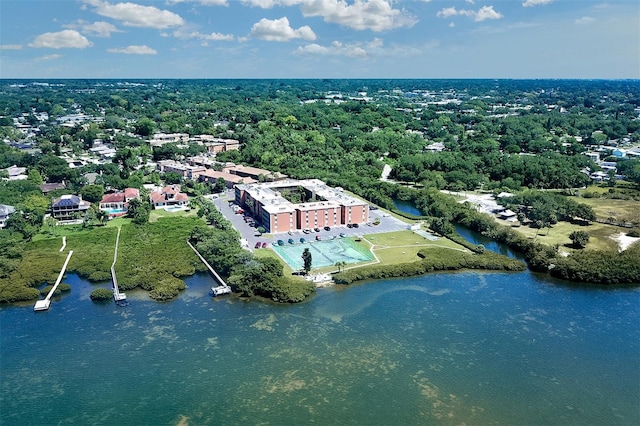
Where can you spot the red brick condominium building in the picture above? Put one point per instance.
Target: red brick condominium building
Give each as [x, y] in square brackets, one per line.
[291, 205]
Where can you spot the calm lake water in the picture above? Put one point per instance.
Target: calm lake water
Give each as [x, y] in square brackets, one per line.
[475, 348]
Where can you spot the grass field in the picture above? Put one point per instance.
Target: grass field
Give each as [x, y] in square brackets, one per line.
[403, 246]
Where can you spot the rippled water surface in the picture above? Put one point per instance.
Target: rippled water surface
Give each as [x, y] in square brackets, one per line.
[439, 349]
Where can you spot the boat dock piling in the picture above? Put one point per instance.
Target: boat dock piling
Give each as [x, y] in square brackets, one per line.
[43, 305]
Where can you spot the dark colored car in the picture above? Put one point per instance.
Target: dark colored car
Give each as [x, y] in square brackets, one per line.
[280, 242]
[327, 228]
[302, 240]
[355, 225]
[349, 225]
[316, 229]
[342, 234]
[264, 245]
[291, 241]
[258, 245]
[318, 237]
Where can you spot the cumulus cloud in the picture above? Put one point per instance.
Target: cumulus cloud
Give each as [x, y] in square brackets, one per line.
[280, 30]
[197, 35]
[585, 20]
[98, 29]
[531, 3]
[337, 48]
[482, 14]
[10, 47]
[135, 15]
[373, 15]
[487, 12]
[134, 50]
[61, 40]
[202, 2]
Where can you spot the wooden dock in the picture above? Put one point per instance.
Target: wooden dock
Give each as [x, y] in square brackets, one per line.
[117, 296]
[223, 288]
[43, 305]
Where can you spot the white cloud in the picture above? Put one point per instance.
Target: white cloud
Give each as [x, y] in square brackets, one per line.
[60, 40]
[280, 30]
[49, 57]
[10, 47]
[269, 4]
[484, 13]
[197, 35]
[531, 3]
[337, 48]
[202, 2]
[585, 20]
[487, 12]
[134, 50]
[373, 15]
[98, 29]
[135, 15]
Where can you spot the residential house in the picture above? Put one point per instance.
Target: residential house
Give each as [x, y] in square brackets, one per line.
[54, 186]
[169, 196]
[16, 173]
[67, 206]
[116, 204]
[5, 212]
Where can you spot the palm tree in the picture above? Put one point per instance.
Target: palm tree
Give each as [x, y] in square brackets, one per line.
[340, 264]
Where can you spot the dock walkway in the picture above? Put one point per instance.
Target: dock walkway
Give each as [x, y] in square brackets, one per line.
[223, 288]
[43, 305]
[117, 296]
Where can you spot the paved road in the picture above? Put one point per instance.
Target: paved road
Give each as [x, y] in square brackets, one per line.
[387, 224]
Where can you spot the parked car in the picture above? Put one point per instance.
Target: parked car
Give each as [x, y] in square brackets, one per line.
[306, 230]
[349, 225]
[302, 240]
[264, 245]
[258, 245]
[318, 238]
[355, 225]
[327, 228]
[316, 229]
[342, 234]
[291, 241]
[280, 242]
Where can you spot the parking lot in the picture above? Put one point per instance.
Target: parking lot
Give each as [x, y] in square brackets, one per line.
[249, 238]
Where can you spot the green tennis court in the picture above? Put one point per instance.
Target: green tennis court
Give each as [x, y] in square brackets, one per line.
[324, 253]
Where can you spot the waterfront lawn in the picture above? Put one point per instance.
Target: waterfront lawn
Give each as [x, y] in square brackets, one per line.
[559, 234]
[403, 246]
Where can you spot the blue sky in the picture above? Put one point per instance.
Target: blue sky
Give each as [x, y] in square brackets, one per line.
[319, 39]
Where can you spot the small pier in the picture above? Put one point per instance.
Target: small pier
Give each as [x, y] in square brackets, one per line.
[43, 305]
[223, 288]
[119, 298]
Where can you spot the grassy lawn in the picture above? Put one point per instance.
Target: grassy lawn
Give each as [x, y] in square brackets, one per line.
[619, 209]
[403, 246]
[559, 234]
[159, 213]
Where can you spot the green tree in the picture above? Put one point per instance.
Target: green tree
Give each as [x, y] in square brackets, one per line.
[579, 239]
[139, 211]
[34, 208]
[144, 126]
[307, 259]
[92, 193]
